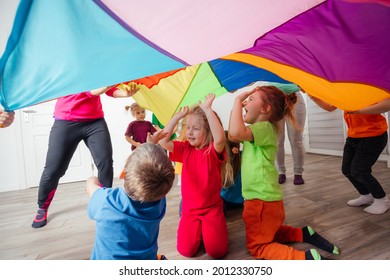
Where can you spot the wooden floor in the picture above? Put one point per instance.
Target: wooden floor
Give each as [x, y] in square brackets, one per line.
[320, 202]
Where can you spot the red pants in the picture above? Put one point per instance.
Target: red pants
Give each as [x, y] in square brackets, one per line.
[265, 231]
[208, 225]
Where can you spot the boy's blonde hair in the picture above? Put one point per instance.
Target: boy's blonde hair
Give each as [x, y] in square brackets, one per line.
[133, 107]
[226, 170]
[149, 173]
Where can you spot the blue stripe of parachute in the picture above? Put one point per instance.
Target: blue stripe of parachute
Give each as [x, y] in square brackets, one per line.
[234, 75]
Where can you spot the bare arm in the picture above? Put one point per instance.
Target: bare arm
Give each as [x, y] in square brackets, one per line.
[377, 108]
[101, 90]
[157, 136]
[326, 106]
[127, 91]
[166, 143]
[132, 142]
[215, 126]
[92, 185]
[238, 131]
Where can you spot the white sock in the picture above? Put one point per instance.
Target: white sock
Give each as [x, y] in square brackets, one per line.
[380, 206]
[361, 200]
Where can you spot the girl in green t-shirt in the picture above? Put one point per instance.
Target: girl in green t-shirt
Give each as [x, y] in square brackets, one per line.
[263, 207]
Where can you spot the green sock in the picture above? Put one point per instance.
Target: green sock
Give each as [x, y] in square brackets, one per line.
[312, 237]
[313, 254]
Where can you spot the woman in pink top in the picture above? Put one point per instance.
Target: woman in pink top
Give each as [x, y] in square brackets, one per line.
[78, 117]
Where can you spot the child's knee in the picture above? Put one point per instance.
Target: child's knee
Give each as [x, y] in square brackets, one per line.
[187, 251]
[217, 252]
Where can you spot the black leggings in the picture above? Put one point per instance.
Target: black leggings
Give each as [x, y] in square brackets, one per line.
[63, 141]
[360, 154]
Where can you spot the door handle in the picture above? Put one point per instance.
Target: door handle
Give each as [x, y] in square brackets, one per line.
[26, 114]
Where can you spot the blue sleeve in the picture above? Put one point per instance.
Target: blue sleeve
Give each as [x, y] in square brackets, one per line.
[96, 202]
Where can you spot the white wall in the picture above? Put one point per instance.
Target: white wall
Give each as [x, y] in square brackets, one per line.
[10, 138]
[12, 160]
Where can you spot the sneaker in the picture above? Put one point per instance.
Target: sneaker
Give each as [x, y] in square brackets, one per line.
[298, 180]
[361, 200]
[40, 219]
[282, 178]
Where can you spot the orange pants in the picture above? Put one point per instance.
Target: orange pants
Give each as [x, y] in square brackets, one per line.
[265, 231]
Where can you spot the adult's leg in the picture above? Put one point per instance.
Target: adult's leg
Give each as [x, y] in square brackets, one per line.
[98, 140]
[295, 135]
[63, 141]
[280, 155]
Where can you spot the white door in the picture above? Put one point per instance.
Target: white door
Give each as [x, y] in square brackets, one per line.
[36, 125]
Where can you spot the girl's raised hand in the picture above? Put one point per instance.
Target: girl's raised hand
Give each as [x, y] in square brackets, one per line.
[156, 137]
[182, 112]
[244, 95]
[208, 102]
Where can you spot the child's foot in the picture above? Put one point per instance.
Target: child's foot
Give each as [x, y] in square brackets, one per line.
[312, 237]
[313, 254]
[361, 200]
[380, 206]
[298, 180]
[282, 178]
[40, 219]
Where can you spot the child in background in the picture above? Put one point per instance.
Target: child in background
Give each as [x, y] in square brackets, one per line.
[128, 219]
[263, 207]
[137, 130]
[205, 170]
[232, 195]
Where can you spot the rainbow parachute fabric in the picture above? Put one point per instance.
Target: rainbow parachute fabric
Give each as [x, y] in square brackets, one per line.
[178, 51]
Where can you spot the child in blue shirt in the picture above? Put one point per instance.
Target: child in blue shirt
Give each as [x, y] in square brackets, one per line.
[128, 219]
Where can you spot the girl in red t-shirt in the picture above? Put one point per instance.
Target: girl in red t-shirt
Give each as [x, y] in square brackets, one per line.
[205, 170]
